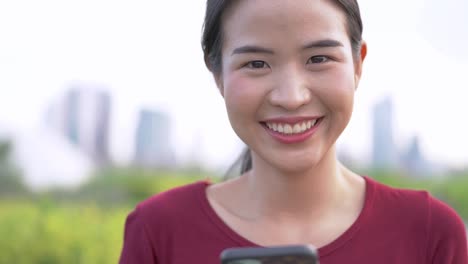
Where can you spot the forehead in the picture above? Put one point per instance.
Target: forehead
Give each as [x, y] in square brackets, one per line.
[285, 20]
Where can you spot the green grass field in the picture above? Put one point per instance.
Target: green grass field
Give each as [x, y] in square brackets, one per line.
[86, 226]
[50, 233]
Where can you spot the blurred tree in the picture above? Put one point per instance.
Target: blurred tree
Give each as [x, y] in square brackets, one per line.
[10, 179]
[5, 148]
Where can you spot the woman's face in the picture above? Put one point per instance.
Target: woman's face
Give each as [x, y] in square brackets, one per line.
[288, 78]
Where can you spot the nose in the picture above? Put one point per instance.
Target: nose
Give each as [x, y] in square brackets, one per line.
[290, 90]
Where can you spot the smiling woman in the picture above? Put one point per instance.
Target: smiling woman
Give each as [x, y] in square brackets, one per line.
[288, 72]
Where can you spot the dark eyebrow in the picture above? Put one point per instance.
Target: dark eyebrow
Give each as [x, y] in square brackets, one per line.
[324, 43]
[251, 49]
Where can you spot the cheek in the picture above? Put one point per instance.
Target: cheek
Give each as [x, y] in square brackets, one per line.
[338, 94]
[241, 94]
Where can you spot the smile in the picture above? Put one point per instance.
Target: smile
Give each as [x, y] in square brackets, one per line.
[289, 129]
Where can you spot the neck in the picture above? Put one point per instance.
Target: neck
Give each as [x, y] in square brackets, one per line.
[302, 195]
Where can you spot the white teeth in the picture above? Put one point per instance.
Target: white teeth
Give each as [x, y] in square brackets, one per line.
[292, 129]
[297, 128]
[280, 128]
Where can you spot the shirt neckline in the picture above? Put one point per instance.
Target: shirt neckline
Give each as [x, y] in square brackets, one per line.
[323, 251]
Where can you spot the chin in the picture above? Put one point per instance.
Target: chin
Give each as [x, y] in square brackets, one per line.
[294, 161]
[296, 165]
[297, 170]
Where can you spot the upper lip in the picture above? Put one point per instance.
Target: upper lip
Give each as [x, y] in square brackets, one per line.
[290, 119]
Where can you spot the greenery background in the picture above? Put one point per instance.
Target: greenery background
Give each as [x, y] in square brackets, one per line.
[85, 225]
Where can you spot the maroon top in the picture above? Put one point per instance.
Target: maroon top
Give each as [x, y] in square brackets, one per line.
[395, 226]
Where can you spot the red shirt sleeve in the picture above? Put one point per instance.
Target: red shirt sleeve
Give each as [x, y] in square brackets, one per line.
[137, 245]
[447, 235]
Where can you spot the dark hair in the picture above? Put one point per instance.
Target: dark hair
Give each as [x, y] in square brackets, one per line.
[212, 42]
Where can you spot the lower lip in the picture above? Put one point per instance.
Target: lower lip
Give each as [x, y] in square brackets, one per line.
[293, 138]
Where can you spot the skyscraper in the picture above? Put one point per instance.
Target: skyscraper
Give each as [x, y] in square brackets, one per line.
[384, 152]
[71, 119]
[152, 142]
[86, 121]
[101, 138]
[413, 159]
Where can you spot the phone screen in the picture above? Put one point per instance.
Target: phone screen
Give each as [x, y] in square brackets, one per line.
[301, 254]
[276, 260]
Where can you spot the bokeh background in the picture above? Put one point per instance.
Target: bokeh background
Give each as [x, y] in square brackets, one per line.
[105, 103]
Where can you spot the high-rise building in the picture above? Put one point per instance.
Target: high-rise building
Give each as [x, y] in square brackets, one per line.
[384, 151]
[86, 120]
[102, 131]
[152, 142]
[71, 119]
[413, 159]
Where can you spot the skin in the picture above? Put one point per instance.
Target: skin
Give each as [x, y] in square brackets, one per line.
[295, 193]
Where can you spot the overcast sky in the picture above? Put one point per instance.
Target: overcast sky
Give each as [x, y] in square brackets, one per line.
[148, 54]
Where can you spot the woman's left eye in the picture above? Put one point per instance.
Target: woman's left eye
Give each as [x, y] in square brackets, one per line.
[318, 59]
[257, 64]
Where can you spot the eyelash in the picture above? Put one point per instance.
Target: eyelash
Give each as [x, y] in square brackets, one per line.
[250, 64]
[326, 59]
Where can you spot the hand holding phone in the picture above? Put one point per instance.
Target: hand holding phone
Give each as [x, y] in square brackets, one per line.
[296, 254]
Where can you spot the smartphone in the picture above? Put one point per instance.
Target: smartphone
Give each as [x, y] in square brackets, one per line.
[295, 254]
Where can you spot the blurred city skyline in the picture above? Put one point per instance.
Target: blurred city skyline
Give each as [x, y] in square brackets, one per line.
[76, 129]
[147, 55]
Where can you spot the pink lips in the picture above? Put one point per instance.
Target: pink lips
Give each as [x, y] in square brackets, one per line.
[292, 138]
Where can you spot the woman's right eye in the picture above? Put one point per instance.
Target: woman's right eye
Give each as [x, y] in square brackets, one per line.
[256, 64]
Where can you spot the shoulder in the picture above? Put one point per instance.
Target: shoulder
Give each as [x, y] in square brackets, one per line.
[164, 213]
[414, 201]
[177, 200]
[150, 225]
[447, 241]
[445, 224]
[399, 198]
[400, 209]
[443, 215]
[423, 217]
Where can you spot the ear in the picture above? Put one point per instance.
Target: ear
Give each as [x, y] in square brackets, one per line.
[219, 82]
[359, 62]
[216, 75]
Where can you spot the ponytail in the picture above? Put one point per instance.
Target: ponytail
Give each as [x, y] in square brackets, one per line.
[246, 159]
[242, 164]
